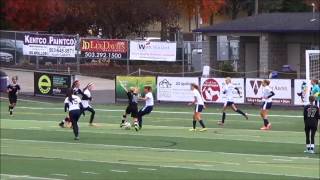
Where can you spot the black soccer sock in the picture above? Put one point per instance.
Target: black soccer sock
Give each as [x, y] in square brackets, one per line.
[124, 117]
[194, 122]
[223, 117]
[93, 112]
[240, 112]
[202, 124]
[313, 133]
[75, 128]
[266, 122]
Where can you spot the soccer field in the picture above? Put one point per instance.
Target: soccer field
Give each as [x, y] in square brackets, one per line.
[34, 147]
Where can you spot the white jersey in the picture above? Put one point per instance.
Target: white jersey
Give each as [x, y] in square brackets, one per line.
[266, 91]
[149, 100]
[198, 97]
[75, 104]
[86, 102]
[228, 90]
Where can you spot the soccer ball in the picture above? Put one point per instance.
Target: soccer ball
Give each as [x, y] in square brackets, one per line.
[127, 125]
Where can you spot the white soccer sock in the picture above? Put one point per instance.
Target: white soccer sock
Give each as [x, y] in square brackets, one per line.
[312, 146]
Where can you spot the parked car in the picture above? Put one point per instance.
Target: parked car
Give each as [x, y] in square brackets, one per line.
[12, 47]
[6, 57]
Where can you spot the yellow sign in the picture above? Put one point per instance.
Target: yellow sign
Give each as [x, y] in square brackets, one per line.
[44, 84]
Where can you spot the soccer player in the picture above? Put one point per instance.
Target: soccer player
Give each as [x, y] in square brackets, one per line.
[12, 90]
[267, 95]
[76, 88]
[147, 109]
[132, 107]
[86, 99]
[315, 91]
[199, 106]
[311, 117]
[73, 105]
[228, 90]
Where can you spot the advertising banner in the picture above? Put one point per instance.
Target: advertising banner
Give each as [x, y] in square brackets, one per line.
[103, 48]
[281, 88]
[300, 92]
[49, 45]
[153, 51]
[134, 81]
[212, 90]
[176, 89]
[47, 84]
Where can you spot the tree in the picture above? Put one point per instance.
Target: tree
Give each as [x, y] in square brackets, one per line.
[31, 15]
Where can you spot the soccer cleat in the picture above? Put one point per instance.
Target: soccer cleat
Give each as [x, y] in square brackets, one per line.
[264, 128]
[311, 151]
[136, 127]
[203, 129]
[246, 116]
[192, 130]
[77, 138]
[61, 124]
[121, 125]
[306, 151]
[220, 123]
[269, 126]
[93, 125]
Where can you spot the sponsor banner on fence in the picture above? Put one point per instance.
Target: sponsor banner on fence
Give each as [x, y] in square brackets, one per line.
[153, 51]
[281, 88]
[212, 90]
[104, 48]
[49, 45]
[176, 89]
[47, 84]
[134, 81]
[301, 92]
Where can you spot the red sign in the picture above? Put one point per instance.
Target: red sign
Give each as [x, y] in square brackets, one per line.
[103, 48]
[210, 90]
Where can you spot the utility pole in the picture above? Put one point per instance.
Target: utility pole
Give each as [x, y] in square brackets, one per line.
[256, 7]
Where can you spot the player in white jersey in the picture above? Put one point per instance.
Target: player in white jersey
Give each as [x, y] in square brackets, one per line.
[147, 109]
[86, 99]
[228, 91]
[267, 94]
[199, 106]
[73, 105]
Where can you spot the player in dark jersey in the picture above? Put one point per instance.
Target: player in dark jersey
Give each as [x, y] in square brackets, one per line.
[132, 107]
[311, 117]
[13, 89]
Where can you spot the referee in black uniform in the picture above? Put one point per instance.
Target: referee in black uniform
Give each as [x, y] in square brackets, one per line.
[13, 90]
[311, 117]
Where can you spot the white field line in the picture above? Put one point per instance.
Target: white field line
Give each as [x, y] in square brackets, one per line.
[12, 176]
[27, 100]
[165, 112]
[147, 169]
[164, 166]
[164, 127]
[257, 162]
[118, 171]
[88, 172]
[65, 175]
[285, 160]
[157, 149]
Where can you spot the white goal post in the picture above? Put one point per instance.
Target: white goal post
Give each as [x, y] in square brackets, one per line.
[312, 67]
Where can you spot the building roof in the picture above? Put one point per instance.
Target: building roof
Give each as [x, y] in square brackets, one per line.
[269, 22]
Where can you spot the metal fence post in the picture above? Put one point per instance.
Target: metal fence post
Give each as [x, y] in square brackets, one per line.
[128, 53]
[77, 54]
[15, 48]
[183, 59]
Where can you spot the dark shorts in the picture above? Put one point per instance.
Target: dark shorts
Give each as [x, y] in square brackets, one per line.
[228, 103]
[198, 108]
[313, 125]
[13, 99]
[266, 105]
[133, 110]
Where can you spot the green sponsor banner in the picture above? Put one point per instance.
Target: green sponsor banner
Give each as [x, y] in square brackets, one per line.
[134, 81]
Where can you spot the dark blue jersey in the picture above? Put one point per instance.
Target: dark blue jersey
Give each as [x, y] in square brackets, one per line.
[13, 89]
[311, 115]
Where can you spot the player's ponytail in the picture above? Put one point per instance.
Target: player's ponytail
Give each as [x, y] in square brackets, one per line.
[69, 95]
[195, 86]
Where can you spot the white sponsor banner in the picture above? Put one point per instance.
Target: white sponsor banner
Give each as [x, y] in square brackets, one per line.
[212, 90]
[300, 92]
[49, 45]
[153, 51]
[175, 88]
[281, 88]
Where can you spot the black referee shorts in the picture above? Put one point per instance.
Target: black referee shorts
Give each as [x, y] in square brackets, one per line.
[133, 110]
[13, 99]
